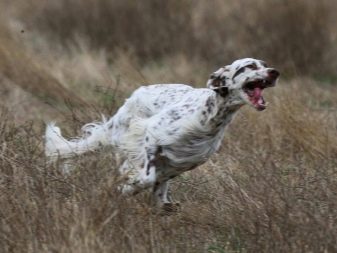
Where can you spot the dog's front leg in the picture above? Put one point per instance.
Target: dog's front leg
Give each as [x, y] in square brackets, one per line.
[162, 198]
[160, 194]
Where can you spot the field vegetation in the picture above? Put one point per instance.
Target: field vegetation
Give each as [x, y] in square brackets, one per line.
[271, 188]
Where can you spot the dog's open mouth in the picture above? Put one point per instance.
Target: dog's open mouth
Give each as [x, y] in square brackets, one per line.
[254, 91]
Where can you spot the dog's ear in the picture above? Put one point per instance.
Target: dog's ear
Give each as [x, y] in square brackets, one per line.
[219, 81]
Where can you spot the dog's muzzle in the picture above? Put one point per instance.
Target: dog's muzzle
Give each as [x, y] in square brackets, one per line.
[254, 88]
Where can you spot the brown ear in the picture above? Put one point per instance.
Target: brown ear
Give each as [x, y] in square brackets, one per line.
[214, 82]
[223, 91]
[218, 79]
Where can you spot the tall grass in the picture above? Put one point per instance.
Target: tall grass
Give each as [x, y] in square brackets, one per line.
[296, 35]
[271, 188]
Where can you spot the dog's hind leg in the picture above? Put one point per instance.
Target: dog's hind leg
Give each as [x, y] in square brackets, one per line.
[138, 177]
[140, 166]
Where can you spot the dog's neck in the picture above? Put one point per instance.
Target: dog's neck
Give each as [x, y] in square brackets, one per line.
[225, 108]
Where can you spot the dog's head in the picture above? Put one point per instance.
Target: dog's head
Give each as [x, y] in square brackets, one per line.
[244, 79]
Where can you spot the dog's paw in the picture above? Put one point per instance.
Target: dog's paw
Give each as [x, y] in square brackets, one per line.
[170, 208]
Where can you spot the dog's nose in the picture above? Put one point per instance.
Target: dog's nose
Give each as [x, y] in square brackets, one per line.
[273, 73]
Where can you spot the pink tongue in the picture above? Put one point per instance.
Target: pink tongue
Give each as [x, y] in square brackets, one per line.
[257, 95]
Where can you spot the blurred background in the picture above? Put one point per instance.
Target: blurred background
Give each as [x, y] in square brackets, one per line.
[271, 188]
[85, 45]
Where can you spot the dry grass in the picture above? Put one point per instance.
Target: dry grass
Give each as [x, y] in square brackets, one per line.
[271, 188]
[298, 36]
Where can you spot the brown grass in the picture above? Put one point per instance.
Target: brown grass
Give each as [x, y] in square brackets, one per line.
[298, 36]
[271, 188]
[17, 66]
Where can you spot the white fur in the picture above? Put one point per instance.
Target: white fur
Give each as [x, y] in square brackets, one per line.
[165, 129]
[94, 135]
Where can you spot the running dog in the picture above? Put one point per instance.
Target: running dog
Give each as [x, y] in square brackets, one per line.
[163, 130]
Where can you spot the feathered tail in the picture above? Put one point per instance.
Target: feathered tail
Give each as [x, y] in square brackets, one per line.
[94, 135]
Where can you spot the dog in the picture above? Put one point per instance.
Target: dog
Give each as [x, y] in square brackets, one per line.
[163, 130]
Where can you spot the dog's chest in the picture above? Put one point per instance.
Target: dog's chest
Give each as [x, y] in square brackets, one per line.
[191, 150]
[186, 155]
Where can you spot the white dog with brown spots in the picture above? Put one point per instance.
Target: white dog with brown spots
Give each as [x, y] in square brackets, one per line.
[164, 130]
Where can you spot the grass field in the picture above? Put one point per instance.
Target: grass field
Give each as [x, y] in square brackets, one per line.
[272, 187]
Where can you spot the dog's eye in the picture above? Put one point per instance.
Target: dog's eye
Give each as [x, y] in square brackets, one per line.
[252, 66]
[238, 72]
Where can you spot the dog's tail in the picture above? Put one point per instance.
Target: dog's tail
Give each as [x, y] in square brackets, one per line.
[94, 135]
